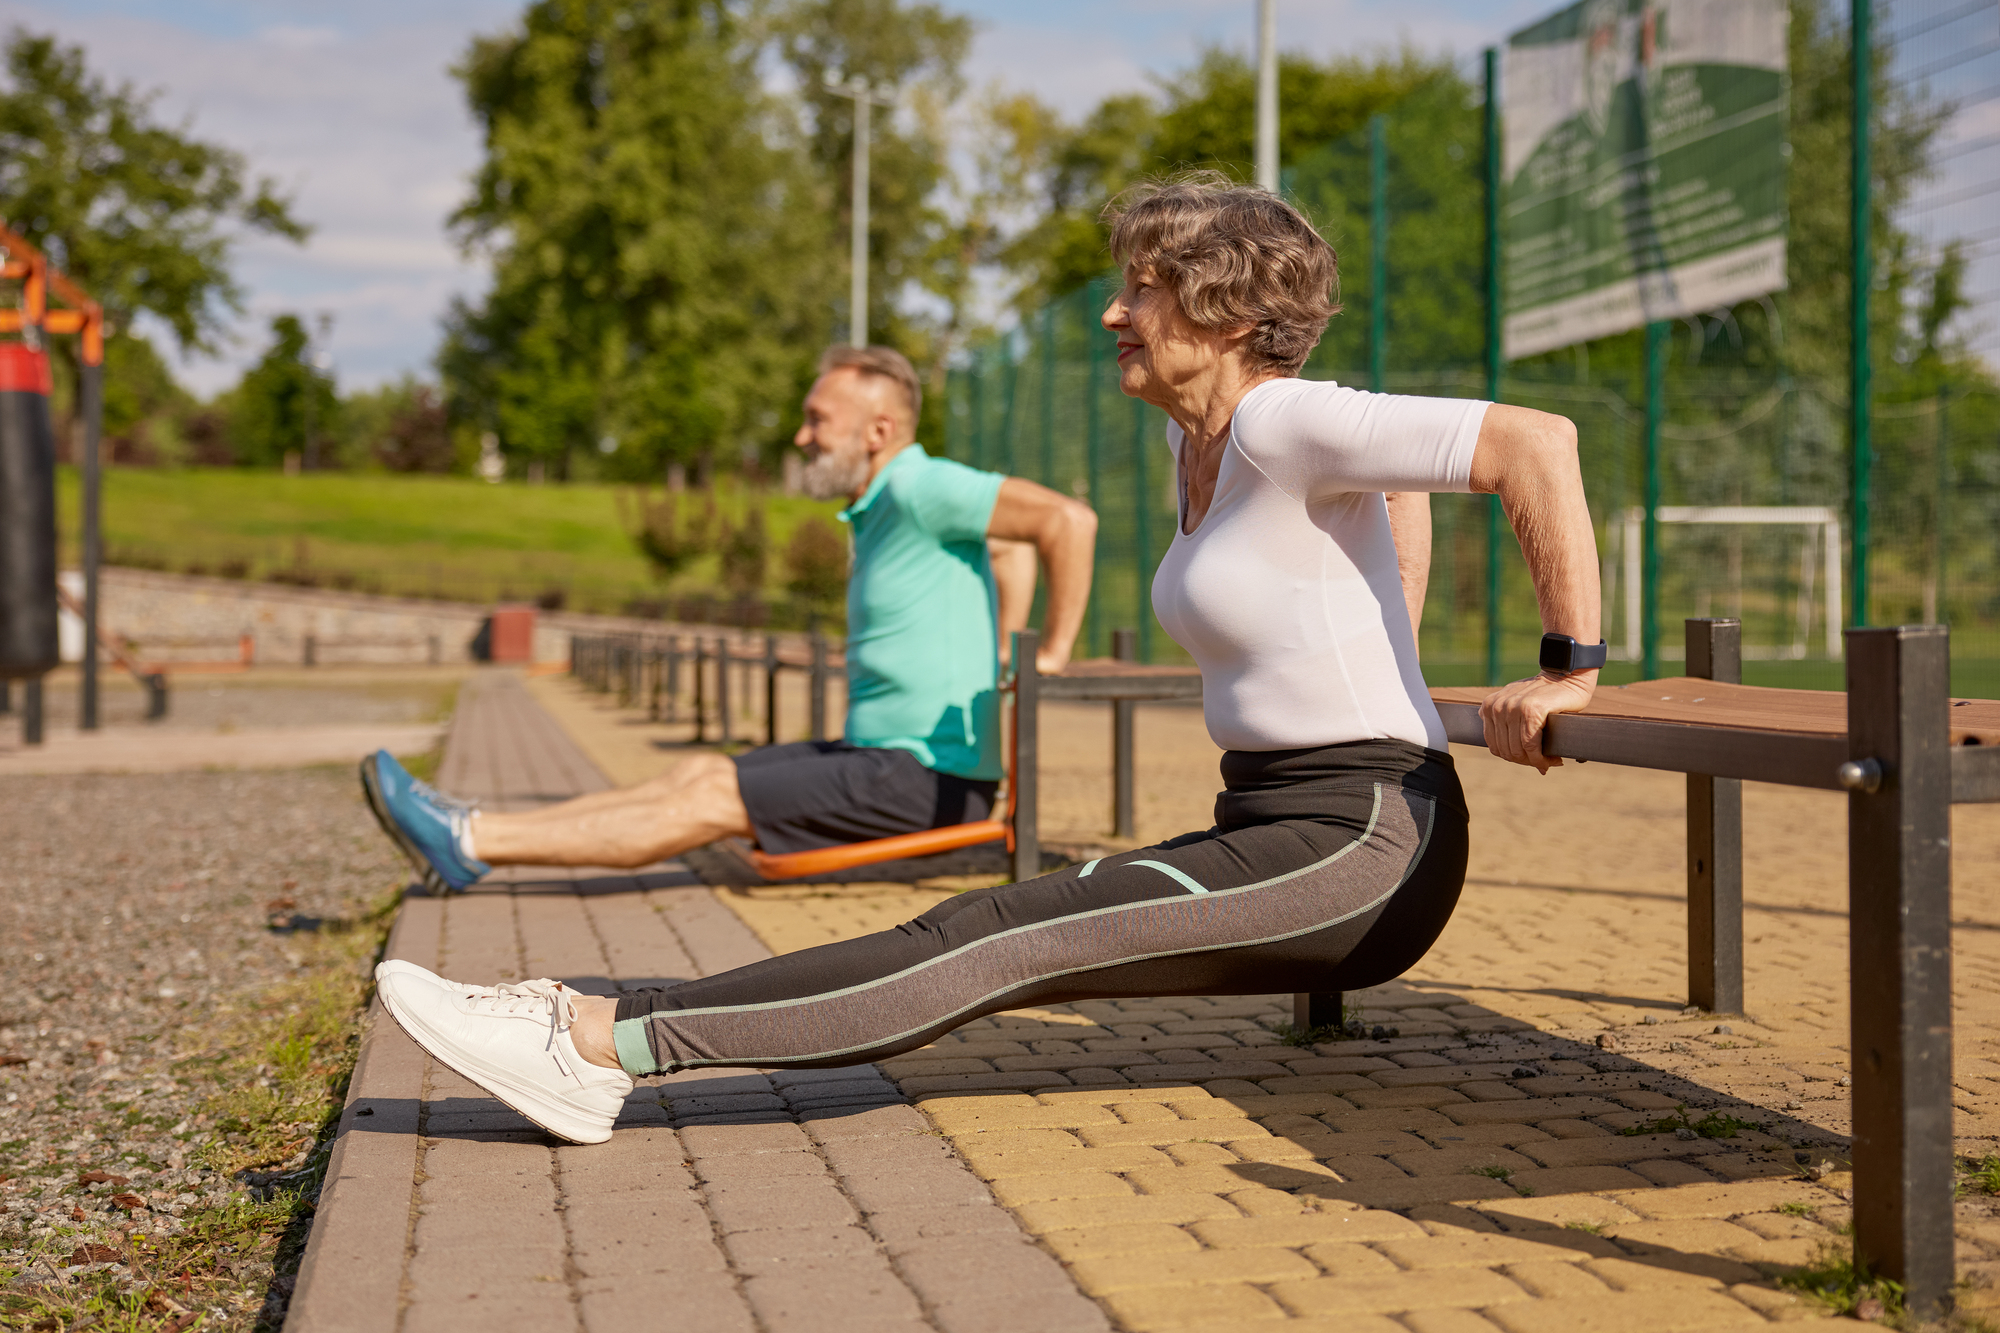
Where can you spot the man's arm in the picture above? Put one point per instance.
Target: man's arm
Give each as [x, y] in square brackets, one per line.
[1014, 579]
[1529, 460]
[1410, 529]
[1064, 534]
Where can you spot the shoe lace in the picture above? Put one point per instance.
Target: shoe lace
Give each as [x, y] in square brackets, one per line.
[448, 804]
[515, 996]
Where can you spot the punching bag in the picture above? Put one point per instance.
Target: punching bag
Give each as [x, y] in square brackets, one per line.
[28, 643]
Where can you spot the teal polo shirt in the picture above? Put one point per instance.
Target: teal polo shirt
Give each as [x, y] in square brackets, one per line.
[922, 652]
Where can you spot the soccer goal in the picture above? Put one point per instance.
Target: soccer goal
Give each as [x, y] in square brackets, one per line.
[1819, 548]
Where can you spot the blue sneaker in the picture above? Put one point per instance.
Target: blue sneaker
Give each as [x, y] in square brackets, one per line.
[421, 821]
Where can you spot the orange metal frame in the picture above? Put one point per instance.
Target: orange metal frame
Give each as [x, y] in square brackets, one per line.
[38, 278]
[927, 842]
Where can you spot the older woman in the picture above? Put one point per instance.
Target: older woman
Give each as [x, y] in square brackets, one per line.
[1339, 843]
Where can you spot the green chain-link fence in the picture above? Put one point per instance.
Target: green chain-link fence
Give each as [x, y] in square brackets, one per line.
[1753, 459]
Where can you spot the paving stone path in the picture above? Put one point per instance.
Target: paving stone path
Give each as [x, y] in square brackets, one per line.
[1547, 1145]
[811, 1200]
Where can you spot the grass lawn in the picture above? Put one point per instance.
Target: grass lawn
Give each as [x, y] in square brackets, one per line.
[424, 536]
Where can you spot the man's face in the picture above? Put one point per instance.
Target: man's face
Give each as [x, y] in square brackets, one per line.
[834, 434]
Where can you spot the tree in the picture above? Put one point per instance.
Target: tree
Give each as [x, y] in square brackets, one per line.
[281, 399]
[658, 271]
[142, 214]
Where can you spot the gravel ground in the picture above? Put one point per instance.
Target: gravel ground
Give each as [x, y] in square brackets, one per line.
[138, 934]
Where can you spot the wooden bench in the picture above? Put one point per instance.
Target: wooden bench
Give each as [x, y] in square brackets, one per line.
[1905, 753]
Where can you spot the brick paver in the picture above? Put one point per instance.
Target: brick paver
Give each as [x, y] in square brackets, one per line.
[1191, 1171]
[796, 1200]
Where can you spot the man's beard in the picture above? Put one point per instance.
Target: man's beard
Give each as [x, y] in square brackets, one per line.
[836, 473]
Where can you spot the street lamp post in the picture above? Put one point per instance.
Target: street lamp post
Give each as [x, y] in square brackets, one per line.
[866, 97]
[1267, 94]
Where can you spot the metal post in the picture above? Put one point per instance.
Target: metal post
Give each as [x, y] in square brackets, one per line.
[770, 689]
[857, 298]
[1649, 578]
[1143, 552]
[1027, 842]
[311, 652]
[1495, 519]
[31, 711]
[156, 695]
[816, 692]
[1860, 369]
[722, 660]
[1378, 249]
[92, 533]
[6, 696]
[1048, 477]
[1899, 944]
[1318, 1009]
[1267, 94]
[700, 692]
[673, 678]
[1093, 459]
[1715, 842]
[1124, 647]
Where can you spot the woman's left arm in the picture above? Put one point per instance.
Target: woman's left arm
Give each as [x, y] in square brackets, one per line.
[1529, 460]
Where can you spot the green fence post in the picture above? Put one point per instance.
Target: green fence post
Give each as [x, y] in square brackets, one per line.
[1859, 369]
[1495, 519]
[1378, 249]
[1142, 555]
[1657, 333]
[1943, 499]
[1094, 449]
[1048, 477]
[976, 390]
[1012, 377]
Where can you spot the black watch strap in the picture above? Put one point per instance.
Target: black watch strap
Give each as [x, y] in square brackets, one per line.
[1562, 653]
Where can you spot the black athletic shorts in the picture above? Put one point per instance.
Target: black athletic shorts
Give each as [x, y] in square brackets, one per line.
[824, 793]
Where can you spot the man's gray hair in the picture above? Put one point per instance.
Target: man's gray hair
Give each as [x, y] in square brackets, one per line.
[886, 362]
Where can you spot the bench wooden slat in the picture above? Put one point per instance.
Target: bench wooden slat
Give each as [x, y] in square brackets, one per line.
[1709, 703]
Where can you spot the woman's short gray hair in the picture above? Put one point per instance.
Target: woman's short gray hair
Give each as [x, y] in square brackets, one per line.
[1233, 254]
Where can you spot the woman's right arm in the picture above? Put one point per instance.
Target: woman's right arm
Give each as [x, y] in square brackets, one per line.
[1529, 460]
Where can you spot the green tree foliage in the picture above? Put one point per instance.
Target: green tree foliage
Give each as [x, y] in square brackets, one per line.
[141, 213]
[816, 563]
[667, 537]
[284, 403]
[144, 406]
[744, 549]
[401, 427]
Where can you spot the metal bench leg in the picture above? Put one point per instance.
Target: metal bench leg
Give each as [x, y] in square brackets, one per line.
[722, 660]
[1899, 946]
[1318, 1009]
[31, 711]
[1125, 648]
[1715, 842]
[770, 689]
[816, 689]
[1027, 839]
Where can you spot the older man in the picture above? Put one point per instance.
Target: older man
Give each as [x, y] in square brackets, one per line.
[922, 744]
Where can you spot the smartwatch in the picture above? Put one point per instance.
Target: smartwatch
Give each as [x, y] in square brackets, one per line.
[1562, 653]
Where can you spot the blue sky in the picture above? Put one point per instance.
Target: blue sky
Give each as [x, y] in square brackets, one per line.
[352, 109]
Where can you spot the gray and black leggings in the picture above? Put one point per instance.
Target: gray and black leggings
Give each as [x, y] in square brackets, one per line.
[1327, 869]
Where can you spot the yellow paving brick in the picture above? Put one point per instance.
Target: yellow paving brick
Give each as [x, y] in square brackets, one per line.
[1537, 1213]
[1793, 1252]
[1777, 1303]
[1174, 1130]
[998, 1101]
[1222, 1179]
[1667, 1268]
[1176, 1209]
[1100, 1277]
[1178, 1307]
[1747, 1196]
[1441, 1219]
[1163, 1092]
[1367, 1323]
[999, 1166]
[1016, 1140]
[1293, 1103]
[1017, 1190]
[1626, 1313]
[1365, 1168]
[1355, 1226]
[1460, 1161]
[1273, 1150]
[1067, 1115]
[1468, 1249]
[1414, 1119]
[1575, 1180]
[1441, 1321]
[1130, 1238]
[1338, 1259]
[1259, 1201]
[1547, 1279]
[1202, 1153]
[1688, 1235]
[1385, 1098]
[1135, 1112]
[1411, 1192]
[1468, 1288]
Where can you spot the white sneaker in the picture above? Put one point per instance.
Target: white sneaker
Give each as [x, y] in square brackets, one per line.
[389, 967]
[513, 1041]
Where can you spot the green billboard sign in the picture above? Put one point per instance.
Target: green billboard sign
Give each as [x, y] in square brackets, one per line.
[1644, 165]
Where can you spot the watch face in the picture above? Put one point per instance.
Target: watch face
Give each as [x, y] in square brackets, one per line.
[1558, 650]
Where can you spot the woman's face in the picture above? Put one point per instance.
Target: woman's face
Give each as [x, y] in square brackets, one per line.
[1160, 353]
